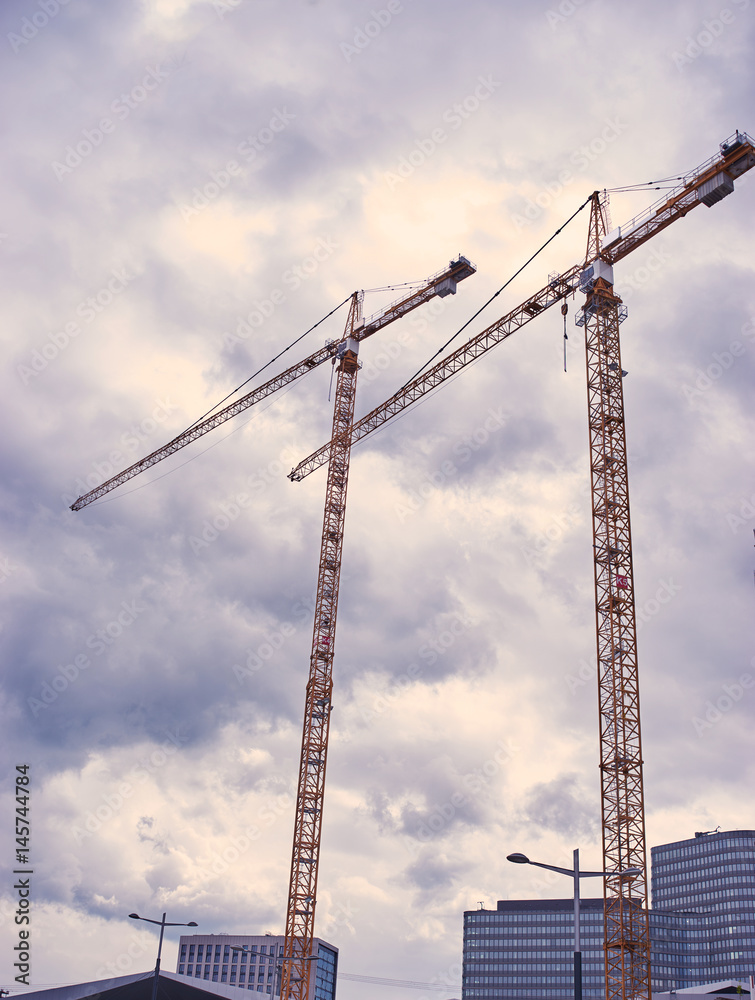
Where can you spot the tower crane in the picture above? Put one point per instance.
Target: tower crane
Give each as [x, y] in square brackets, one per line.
[626, 934]
[300, 912]
[441, 284]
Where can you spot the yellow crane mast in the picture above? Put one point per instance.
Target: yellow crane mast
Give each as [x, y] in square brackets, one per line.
[626, 931]
[302, 893]
[302, 896]
[626, 937]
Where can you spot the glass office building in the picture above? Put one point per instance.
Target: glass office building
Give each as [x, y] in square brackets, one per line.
[258, 967]
[702, 928]
[525, 948]
[713, 876]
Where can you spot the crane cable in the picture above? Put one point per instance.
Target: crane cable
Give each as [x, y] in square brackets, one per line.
[495, 296]
[176, 468]
[260, 370]
[406, 984]
[564, 311]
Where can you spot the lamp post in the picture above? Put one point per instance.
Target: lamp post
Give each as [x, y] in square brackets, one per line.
[576, 874]
[278, 963]
[162, 925]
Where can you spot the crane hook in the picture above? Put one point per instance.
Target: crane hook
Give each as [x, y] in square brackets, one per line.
[564, 311]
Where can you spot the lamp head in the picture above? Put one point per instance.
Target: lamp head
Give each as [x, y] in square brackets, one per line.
[134, 916]
[192, 923]
[518, 859]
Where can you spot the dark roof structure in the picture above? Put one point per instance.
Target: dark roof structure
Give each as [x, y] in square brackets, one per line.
[138, 986]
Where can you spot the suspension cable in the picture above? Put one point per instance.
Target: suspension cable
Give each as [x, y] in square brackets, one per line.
[260, 370]
[495, 296]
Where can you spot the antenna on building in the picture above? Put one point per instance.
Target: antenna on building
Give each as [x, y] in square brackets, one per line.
[481, 904]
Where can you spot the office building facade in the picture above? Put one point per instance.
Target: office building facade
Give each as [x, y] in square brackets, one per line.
[255, 965]
[713, 876]
[702, 928]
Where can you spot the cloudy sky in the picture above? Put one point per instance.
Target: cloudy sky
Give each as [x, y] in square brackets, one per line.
[175, 167]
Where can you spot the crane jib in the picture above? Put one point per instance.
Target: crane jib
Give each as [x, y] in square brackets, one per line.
[442, 283]
[705, 185]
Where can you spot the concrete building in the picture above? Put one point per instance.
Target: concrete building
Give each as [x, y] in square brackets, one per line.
[702, 928]
[210, 958]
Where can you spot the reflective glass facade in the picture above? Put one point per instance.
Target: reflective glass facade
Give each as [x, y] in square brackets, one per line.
[326, 972]
[713, 876]
[211, 957]
[525, 948]
[702, 928]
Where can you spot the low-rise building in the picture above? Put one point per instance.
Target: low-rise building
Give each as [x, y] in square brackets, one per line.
[253, 962]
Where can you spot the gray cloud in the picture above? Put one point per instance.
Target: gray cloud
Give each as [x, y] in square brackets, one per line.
[465, 619]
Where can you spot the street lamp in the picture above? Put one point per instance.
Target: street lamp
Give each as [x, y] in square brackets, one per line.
[278, 964]
[576, 874]
[162, 924]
